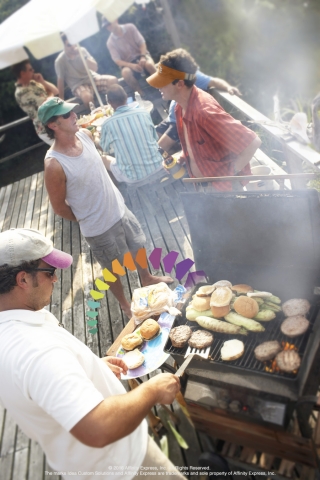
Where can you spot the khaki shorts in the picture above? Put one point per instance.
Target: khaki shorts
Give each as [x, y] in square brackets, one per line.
[124, 236]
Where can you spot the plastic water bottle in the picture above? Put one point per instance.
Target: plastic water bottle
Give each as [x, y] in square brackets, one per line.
[139, 99]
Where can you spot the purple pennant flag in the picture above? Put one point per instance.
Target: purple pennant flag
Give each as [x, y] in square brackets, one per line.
[155, 257]
[169, 261]
[194, 278]
[183, 267]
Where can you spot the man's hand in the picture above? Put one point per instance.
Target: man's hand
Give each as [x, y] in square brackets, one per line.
[234, 91]
[38, 77]
[142, 61]
[166, 385]
[136, 67]
[117, 365]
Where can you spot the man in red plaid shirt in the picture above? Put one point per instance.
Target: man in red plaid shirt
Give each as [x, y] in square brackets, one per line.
[214, 144]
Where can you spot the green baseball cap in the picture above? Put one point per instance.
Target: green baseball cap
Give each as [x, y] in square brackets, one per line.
[53, 107]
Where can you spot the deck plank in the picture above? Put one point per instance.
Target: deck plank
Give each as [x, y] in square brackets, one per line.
[4, 205]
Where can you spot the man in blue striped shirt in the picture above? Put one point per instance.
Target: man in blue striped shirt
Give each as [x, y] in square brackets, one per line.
[131, 135]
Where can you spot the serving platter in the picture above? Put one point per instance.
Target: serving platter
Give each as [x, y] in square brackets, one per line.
[154, 356]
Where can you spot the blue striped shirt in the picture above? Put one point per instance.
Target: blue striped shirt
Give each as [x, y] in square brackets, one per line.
[132, 136]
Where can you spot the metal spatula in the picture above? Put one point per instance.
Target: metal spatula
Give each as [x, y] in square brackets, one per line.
[204, 352]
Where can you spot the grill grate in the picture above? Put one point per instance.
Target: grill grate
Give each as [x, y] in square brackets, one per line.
[251, 341]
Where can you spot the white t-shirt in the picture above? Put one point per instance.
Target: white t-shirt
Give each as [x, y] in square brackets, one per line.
[49, 382]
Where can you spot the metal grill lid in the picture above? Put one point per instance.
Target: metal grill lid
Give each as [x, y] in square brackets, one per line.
[270, 240]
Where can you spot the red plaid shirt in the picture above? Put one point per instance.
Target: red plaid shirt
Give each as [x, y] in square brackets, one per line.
[215, 137]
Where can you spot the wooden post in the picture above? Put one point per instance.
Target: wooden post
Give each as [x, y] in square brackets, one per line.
[170, 24]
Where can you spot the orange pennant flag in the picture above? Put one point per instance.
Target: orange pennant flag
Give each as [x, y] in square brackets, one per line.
[128, 262]
[117, 268]
[141, 258]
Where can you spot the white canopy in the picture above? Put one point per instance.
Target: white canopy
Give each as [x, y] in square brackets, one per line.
[38, 24]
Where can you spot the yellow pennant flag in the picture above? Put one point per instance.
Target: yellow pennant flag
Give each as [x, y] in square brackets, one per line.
[101, 285]
[108, 276]
[96, 295]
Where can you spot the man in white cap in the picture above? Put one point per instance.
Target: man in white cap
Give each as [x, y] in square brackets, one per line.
[60, 393]
[80, 189]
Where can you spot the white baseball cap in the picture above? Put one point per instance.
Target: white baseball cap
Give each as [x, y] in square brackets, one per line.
[19, 245]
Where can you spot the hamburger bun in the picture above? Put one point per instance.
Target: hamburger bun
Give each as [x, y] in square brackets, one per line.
[242, 289]
[201, 303]
[222, 283]
[131, 341]
[133, 359]
[205, 291]
[219, 312]
[149, 329]
[246, 306]
[221, 297]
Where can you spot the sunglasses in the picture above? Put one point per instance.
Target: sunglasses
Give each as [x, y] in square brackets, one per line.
[66, 115]
[51, 271]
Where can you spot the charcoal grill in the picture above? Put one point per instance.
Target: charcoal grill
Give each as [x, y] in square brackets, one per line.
[269, 240]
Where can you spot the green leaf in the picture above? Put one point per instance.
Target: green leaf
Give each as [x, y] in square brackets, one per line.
[93, 331]
[91, 314]
[179, 438]
[164, 445]
[92, 323]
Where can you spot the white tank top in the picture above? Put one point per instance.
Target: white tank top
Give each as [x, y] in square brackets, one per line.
[94, 199]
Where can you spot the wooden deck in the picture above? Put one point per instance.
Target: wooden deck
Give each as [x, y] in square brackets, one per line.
[26, 204]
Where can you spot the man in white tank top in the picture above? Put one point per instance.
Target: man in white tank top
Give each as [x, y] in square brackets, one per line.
[81, 190]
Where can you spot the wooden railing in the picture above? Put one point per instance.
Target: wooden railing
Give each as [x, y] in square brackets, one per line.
[297, 157]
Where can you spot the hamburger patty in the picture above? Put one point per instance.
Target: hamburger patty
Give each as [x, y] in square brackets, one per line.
[267, 350]
[180, 335]
[296, 306]
[294, 326]
[200, 339]
[288, 360]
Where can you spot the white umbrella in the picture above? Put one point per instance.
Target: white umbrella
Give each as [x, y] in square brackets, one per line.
[38, 24]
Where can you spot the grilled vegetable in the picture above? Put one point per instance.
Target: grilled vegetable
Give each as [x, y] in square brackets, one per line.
[256, 293]
[259, 300]
[219, 326]
[274, 299]
[272, 306]
[241, 321]
[266, 306]
[192, 314]
[265, 316]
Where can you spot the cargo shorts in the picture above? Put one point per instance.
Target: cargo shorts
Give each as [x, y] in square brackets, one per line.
[124, 236]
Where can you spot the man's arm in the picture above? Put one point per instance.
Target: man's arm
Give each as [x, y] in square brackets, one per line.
[118, 416]
[61, 87]
[223, 85]
[244, 157]
[133, 66]
[55, 181]
[92, 64]
[49, 87]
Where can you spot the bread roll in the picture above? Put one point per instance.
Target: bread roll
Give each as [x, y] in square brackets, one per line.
[131, 341]
[149, 328]
[201, 303]
[219, 312]
[221, 297]
[242, 289]
[133, 359]
[246, 306]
